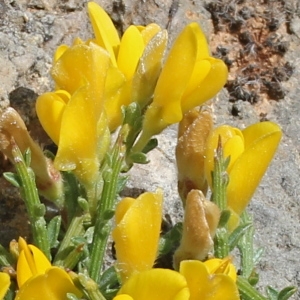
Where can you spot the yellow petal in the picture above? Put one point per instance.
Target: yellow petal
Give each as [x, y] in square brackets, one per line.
[201, 70]
[175, 76]
[234, 147]
[53, 285]
[104, 29]
[204, 286]
[114, 90]
[131, 49]
[60, 51]
[209, 86]
[81, 64]
[122, 207]
[4, 284]
[78, 139]
[261, 142]
[123, 297]
[221, 266]
[32, 261]
[148, 70]
[149, 32]
[203, 49]
[158, 284]
[196, 275]
[136, 236]
[50, 108]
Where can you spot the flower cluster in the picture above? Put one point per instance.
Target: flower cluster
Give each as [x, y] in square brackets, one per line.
[131, 87]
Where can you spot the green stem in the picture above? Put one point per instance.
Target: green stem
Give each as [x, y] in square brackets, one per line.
[71, 195]
[36, 210]
[220, 182]
[221, 246]
[245, 247]
[220, 178]
[247, 291]
[76, 229]
[103, 214]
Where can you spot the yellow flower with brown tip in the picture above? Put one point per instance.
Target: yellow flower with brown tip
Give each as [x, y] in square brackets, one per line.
[36, 276]
[137, 231]
[251, 151]
[189, 77]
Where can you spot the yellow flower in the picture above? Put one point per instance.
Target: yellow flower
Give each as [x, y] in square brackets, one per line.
[158, 284]
[73, 117]
[250, 150]
[207, 285]
[193, 131]
[54, 284]
[32, 261]
[194, 281]
[36, 276]
[4, 284]
[48, 179]
[221, 266]
[136, 234]
[125, 55]
[189, 77]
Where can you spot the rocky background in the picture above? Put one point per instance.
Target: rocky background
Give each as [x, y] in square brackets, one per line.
[260, 43]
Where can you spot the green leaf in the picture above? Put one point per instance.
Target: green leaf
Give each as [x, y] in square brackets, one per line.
[53, 231]
[83, 203]
[27, 157]
[253, 278]
[139, 158]
[71, 296]
[150, 145]
[131, 113]
[258, 255]
[272, 293]
[224, 218]
[12, 178]
[170, 240]
[237, 234]
[109, 283]
[287, 292]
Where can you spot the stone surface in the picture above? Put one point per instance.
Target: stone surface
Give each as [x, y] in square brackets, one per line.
[30, 31]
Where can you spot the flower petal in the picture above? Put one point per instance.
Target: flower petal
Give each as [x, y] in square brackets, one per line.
[136, 235]
[4, 284]
[158, 284]
[32, 261]
[81, 64]
[261, 142]
[175, 76]
[53, 285]
[209, 86]
[50, 108]
[131, 49]
[78, 143]
[104, 29]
